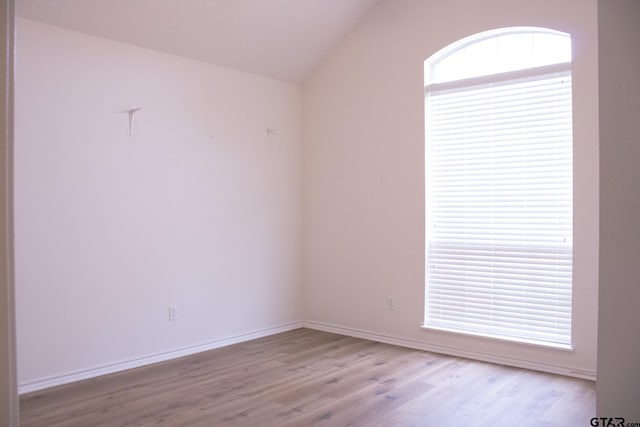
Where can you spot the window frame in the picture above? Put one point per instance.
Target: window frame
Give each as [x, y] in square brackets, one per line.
[471, 82]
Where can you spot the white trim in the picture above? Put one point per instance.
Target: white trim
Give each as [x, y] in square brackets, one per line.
[507, 77]
[532, 343]
[30, 386]
[43, 383]
[452, 351]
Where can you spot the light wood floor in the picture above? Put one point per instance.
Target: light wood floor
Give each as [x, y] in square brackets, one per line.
[311, 378]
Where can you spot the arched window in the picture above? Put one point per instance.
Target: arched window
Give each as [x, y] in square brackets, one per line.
[498, 179]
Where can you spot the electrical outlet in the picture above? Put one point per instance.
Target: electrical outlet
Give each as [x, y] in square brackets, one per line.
[173, 312]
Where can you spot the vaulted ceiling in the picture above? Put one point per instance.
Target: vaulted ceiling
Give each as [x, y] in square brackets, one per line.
[281, 39]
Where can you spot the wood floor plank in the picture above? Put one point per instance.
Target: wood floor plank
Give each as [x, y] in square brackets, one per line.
[312, 378]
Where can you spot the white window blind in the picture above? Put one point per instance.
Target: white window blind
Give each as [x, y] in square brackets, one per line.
[499, 207]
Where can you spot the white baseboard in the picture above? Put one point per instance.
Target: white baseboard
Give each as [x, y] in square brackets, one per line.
[43, 383]
[452, 351]
[30, 386]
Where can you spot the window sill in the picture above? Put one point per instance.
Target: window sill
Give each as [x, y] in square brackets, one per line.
[533, 343]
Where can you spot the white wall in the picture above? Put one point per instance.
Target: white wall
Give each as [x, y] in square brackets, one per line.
[619, 335]
[199, 209]
[364, 166]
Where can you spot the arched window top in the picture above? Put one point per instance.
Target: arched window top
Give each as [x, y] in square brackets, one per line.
[498, 51]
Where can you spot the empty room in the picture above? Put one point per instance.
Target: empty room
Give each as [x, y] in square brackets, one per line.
[320, 212]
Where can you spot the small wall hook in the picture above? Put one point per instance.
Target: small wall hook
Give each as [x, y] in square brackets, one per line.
[131, 112]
